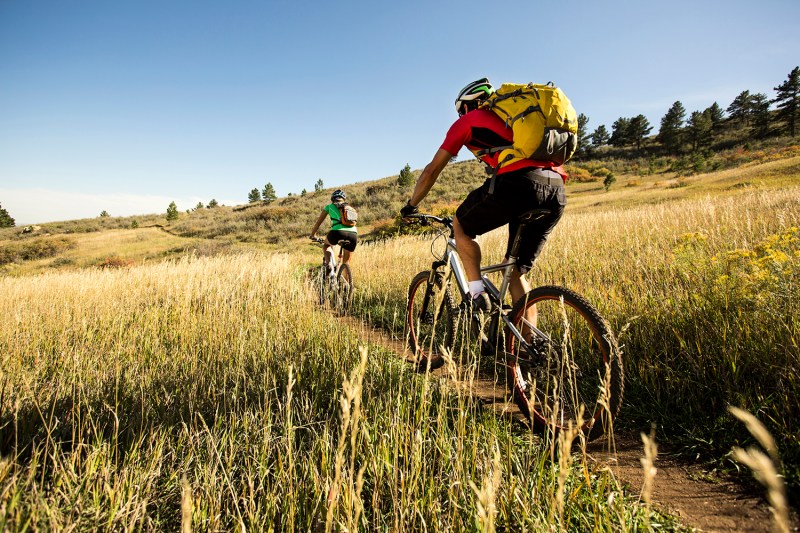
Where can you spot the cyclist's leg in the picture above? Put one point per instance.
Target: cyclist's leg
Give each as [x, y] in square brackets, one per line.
[327, 250]
[518, 286]
[479, 213]
[534, 234]
[349, 248]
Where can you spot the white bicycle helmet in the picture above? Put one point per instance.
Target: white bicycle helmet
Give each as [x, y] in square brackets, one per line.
[473, 94]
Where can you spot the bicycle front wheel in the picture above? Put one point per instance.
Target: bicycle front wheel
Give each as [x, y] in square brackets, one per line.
[321, 283]
[344, 289]
[430, 320]
[568, 369]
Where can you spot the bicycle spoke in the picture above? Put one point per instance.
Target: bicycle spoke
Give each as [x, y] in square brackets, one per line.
[561, 373]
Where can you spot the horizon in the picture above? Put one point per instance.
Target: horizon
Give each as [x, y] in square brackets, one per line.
[130, 106]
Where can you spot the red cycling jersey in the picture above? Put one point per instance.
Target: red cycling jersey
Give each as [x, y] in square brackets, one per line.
[481, 129]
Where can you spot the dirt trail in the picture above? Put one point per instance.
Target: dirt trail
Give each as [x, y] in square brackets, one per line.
[680, 488]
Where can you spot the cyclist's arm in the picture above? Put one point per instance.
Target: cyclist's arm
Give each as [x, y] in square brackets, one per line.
[429, 175]
[318, 224]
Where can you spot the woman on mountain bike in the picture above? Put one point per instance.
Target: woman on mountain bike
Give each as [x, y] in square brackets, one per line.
[339, 231]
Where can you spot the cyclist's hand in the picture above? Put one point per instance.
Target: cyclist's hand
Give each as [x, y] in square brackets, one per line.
[408, 210]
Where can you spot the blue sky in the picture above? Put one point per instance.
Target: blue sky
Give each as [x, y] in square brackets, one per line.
[128, 105]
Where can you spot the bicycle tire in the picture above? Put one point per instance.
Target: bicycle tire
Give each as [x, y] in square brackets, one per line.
[581, 364]
[321, 282]
[344, 290]
[429, 333]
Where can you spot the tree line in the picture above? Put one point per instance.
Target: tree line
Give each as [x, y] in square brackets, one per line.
[750, 115]
[268, 195]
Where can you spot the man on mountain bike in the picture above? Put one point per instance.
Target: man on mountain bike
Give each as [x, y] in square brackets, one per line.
[338, 230]
[520, 186]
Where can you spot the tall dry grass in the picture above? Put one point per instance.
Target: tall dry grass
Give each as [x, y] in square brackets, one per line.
[211, 394]
[702, 293]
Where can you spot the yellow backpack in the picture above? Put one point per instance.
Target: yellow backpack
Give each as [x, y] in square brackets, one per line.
[543, 121]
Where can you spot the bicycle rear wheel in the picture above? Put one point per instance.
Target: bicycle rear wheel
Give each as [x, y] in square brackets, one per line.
[569, 369]
[430, 320]
[344, 290]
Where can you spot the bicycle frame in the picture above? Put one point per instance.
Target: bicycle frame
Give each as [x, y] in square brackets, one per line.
[532, 338]
[496, 295]
[333, 262]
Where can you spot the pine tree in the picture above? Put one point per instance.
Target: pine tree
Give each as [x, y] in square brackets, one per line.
[741, 108]
[671, 135]
[639, 128]
[172, 212]
[254, 196]
[600, 136]
[583, 136]
[620, 132]
[698, 129]
[268, 195]
[303, 192]
[318, 186]
[609, 180]
[406, 178]
[5, 219]
[212, 203]
[788, 101]
[760, 114]
[716, 115]
[103, 213]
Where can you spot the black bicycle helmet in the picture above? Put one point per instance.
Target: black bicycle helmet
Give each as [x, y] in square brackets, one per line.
[473, 94]
[338, 194]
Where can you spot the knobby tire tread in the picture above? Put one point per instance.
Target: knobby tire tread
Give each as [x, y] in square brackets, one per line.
[601, 332]
[344, 298]
[416, 294]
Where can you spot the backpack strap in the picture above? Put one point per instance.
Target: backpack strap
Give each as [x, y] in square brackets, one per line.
[493, 179]
[487, 151]
[338, 220]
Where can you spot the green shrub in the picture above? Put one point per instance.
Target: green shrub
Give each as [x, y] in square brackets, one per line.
[34, 249]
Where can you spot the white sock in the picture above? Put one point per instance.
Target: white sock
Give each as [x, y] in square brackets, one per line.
[476, 288]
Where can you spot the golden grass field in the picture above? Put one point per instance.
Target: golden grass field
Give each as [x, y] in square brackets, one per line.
[209, 392]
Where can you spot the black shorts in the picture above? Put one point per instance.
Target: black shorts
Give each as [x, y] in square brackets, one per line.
[514, 194]
[336, 235]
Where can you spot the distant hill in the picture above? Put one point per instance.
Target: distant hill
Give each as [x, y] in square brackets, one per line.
[276, 226]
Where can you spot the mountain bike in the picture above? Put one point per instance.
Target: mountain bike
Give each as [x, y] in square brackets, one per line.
[334, 282]
[561, 359]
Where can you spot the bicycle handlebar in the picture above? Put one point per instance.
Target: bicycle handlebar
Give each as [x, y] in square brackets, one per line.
[320, 240]
[425, 219]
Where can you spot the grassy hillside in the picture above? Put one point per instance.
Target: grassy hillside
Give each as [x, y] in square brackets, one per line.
[214, 366]
[209, 231]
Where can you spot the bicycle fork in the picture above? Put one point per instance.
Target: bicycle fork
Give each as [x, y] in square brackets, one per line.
[435, 277]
